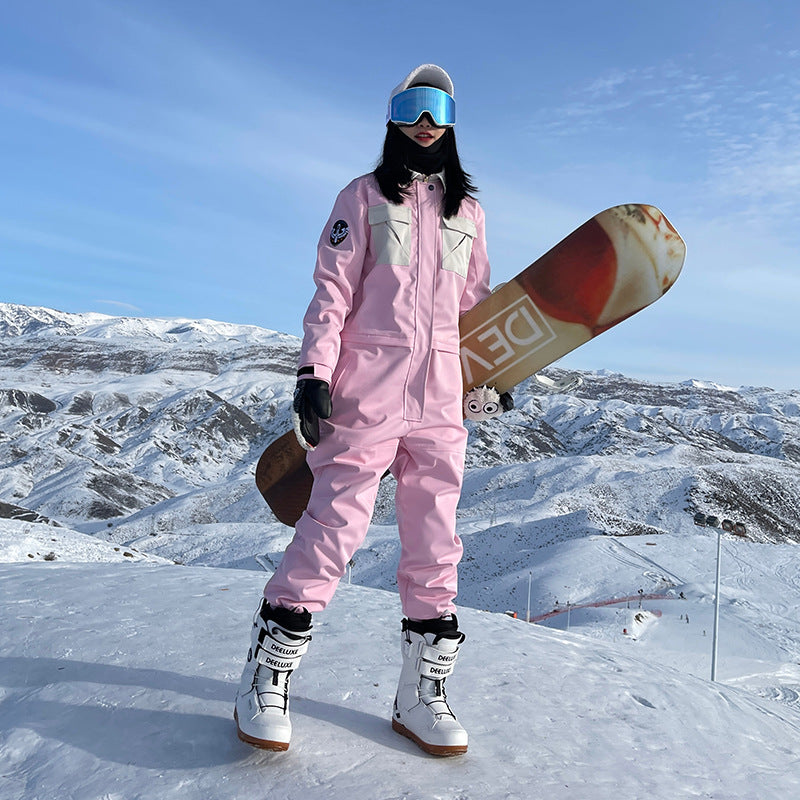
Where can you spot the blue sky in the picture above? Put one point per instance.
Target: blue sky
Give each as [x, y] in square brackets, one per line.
[181, 158]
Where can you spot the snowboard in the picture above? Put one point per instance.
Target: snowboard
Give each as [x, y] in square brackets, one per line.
[608, 269]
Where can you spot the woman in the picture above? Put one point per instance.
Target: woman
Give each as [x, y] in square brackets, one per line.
[379, 387]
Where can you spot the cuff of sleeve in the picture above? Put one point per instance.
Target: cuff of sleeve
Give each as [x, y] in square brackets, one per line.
[318, 371]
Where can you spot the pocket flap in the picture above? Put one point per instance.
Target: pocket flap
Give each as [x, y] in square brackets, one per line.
[388, 212]
[460, 224]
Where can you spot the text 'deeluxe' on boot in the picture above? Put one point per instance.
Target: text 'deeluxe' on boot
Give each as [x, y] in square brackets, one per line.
[279, 639]
[421, 711]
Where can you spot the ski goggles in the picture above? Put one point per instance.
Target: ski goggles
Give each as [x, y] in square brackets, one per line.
[407, 107]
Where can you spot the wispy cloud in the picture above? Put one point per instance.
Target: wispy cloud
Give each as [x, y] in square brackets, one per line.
[24, 234]
[119, 304]
[739, 135]
[194, 103]
[217, 137]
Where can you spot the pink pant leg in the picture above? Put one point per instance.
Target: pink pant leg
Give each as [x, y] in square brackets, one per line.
[428, 490]
[334, 525]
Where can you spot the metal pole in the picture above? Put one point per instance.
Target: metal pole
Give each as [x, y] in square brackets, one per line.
[528, 609]
[716, 612]
[569, 606]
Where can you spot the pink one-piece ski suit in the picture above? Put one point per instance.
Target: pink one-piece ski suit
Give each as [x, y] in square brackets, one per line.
[382, 330]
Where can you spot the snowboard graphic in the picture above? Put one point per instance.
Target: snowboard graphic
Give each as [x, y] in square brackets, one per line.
[614, 265]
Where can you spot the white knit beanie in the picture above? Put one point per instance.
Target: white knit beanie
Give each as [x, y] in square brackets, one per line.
[429, 74]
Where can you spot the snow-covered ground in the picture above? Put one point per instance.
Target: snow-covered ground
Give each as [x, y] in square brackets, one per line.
[25, 541]
[117, 682]
[134, 547]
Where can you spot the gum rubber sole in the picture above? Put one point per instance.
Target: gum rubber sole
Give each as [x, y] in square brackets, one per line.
[431, 749]
[261, 744]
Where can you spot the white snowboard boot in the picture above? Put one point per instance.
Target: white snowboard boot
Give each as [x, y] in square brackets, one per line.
[278, 640]
[421, 711]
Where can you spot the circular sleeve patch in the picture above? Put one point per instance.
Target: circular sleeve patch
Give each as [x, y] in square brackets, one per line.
[339, 232]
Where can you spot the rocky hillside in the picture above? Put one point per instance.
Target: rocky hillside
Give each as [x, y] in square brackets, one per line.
[103, 417]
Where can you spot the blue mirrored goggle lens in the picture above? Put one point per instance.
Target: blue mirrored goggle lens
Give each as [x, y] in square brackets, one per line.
[407, 107]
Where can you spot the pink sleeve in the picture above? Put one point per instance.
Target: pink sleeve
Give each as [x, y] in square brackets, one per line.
[477, 285]
[337, 274]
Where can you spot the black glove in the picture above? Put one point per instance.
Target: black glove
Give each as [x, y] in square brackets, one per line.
[506, 401]
[312, 400]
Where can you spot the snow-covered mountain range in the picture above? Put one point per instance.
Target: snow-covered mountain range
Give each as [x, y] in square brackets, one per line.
[118, 419]
[145, 432]
[127, 445]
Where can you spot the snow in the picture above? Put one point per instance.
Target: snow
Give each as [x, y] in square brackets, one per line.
[122, 636]
[22, 541]
[18, 319]
[117, 681]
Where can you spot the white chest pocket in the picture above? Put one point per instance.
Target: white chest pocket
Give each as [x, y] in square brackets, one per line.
[458, 234]
[391, 234]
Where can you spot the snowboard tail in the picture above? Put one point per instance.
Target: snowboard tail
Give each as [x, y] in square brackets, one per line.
[611, 267]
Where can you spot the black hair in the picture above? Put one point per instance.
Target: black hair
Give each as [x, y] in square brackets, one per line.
[393, 173]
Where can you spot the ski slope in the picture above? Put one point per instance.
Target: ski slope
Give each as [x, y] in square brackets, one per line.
[123, 630]
[117, 679]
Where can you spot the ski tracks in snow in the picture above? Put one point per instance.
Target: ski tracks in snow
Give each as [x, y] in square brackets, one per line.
[630, 557]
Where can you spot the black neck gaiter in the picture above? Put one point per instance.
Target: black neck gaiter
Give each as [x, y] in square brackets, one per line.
[426, 160]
